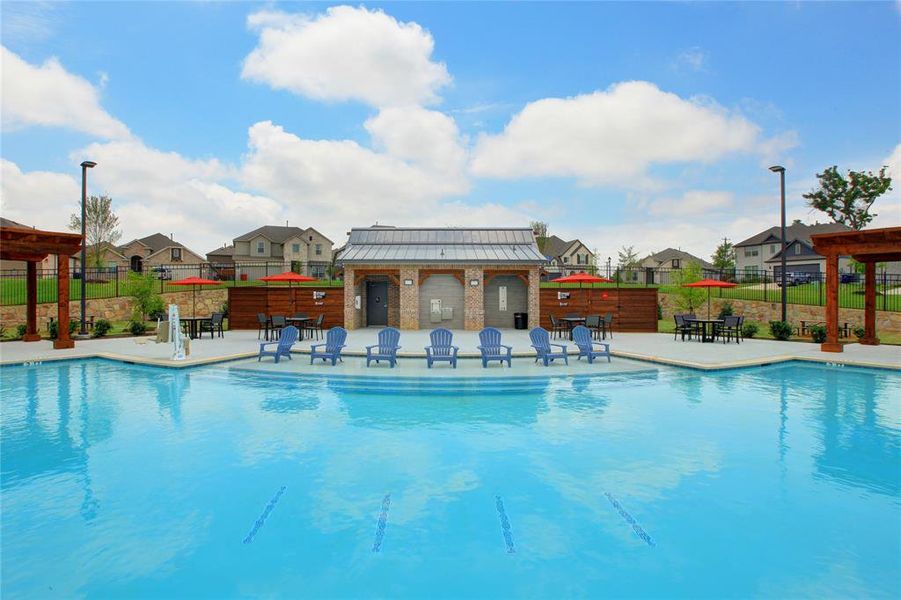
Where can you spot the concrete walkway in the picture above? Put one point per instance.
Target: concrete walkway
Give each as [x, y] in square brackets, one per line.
[654, 347]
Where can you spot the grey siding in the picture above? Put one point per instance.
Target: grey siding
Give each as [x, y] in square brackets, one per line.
[517, 301]
[450, 292]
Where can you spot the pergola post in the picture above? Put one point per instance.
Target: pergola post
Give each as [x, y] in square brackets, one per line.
[831, 344]
[63, 339]
[869, 306]
[31, 302]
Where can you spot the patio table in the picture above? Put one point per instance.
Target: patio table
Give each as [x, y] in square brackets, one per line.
[298, 322]
[701, 326]
[571, 322]
[193, 324]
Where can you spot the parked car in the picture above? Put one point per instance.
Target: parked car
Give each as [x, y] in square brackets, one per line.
[162, 273]
[796, 278]
[850, 278]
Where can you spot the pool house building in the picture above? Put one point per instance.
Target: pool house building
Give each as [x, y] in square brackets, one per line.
[458, 278]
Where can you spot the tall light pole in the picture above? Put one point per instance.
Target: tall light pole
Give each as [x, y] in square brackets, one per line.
[608, 267]
[781, 171]
[84, 243]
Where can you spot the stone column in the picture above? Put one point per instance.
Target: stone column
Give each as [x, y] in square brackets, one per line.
[63, 340]
[409, 298]
[31, 302]
[473, 299]
[869, 306]
[350, 292]
[534, 298]
[831, 344]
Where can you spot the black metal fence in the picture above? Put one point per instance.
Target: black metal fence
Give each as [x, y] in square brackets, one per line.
[110, 282]
[801, 288]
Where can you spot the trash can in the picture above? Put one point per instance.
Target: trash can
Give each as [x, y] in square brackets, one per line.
[520, 320]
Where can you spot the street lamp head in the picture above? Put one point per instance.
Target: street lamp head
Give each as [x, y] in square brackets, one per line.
[88, 164]
[777, 169]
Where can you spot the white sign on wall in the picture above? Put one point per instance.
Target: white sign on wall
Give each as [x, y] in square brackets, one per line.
[358, 301]
[502, 298]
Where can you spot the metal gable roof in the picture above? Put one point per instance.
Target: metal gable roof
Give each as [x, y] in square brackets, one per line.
[436, 245]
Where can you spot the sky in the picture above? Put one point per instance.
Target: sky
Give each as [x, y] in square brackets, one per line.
[622, 124]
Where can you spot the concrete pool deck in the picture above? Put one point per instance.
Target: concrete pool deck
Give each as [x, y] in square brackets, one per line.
[652, 347]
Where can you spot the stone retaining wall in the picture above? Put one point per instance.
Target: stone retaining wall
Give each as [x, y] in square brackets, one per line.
[764, 312]
[114, 309]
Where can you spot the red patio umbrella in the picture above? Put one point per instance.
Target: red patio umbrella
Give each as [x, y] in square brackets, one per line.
[194, 282]
[709, 283]
[290, 277]
[581, 278]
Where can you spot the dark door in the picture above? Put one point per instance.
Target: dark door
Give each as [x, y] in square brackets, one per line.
[376, 302]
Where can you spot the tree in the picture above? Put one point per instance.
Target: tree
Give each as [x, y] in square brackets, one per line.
[724, 255]
[688, 299]
[628, 258]
[540, 229]
[848, 201]
[146, 302]
[102, 225]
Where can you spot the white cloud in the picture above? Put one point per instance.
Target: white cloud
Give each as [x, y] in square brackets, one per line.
[41, 199]
[693, 59]
[690, 203]
[612, 136]
[346, 54]
[888, 208]
[48, 95]
[427, 138]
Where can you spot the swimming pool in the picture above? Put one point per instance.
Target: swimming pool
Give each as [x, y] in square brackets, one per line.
[121, 480]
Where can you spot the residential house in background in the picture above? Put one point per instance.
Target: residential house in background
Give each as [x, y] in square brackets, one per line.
[304, 251]
[222, 256]
[761, 253]
[566, 257]
[160, 253]
[658, 267]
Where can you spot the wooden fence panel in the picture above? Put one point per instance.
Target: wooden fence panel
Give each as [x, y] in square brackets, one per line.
[634, 309]
[245, 302]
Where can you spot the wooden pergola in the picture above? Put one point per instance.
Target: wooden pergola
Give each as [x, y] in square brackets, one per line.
[33, 246]
[869, 247]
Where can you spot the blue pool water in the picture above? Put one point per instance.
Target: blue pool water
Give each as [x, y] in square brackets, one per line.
[122, 480]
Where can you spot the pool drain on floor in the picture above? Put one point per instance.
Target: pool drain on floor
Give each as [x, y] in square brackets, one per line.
[382, 524]
[630, 520]
[505, 525]
[259, 522]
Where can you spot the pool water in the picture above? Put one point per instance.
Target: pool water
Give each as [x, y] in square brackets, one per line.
[120, 480]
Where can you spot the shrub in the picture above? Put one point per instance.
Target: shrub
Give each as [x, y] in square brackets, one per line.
[818, 333]
[136, 327]
[224, 309]
[659, 311]
[726, 310]
[101, 328]
[20, 331]
[749, 330]
[780, 330]
[859, 332]
[54, 328]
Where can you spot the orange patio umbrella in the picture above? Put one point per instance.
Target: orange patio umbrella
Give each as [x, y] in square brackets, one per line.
[289, 277]
[709, 283]
[194, 282]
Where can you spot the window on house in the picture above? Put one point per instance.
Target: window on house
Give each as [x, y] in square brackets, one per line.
[675, 263]
[750, 252]
[772, 248]
[176, 254]
[317, 271]
[565, 259]
[295, 248]
[261, 247]
[797, 248]
[318, 249]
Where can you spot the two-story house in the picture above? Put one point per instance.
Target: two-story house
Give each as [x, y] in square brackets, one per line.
[761, 253]
[566, 257]
[305, 251]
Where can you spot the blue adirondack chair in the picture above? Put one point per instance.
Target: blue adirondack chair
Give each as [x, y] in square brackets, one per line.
[492, 349]
[442, 348]
[386, 349]
[541, 341]
[334, 342]
[286, 339]
[586, 345]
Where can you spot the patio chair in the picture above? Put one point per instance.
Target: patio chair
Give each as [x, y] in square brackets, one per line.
[386, 349]
[595, 326]
[558, 327]
[608, 325]
[442, 348]
[286, 339]
[262, 325]
[682, 327]
[730, 328]
[541, 341]
[213, 324]
[334, 342]
[586, 345]
[491, 348]
[276, 324]
[315, 327]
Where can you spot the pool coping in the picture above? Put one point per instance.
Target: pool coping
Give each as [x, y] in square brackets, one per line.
[660, 360]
